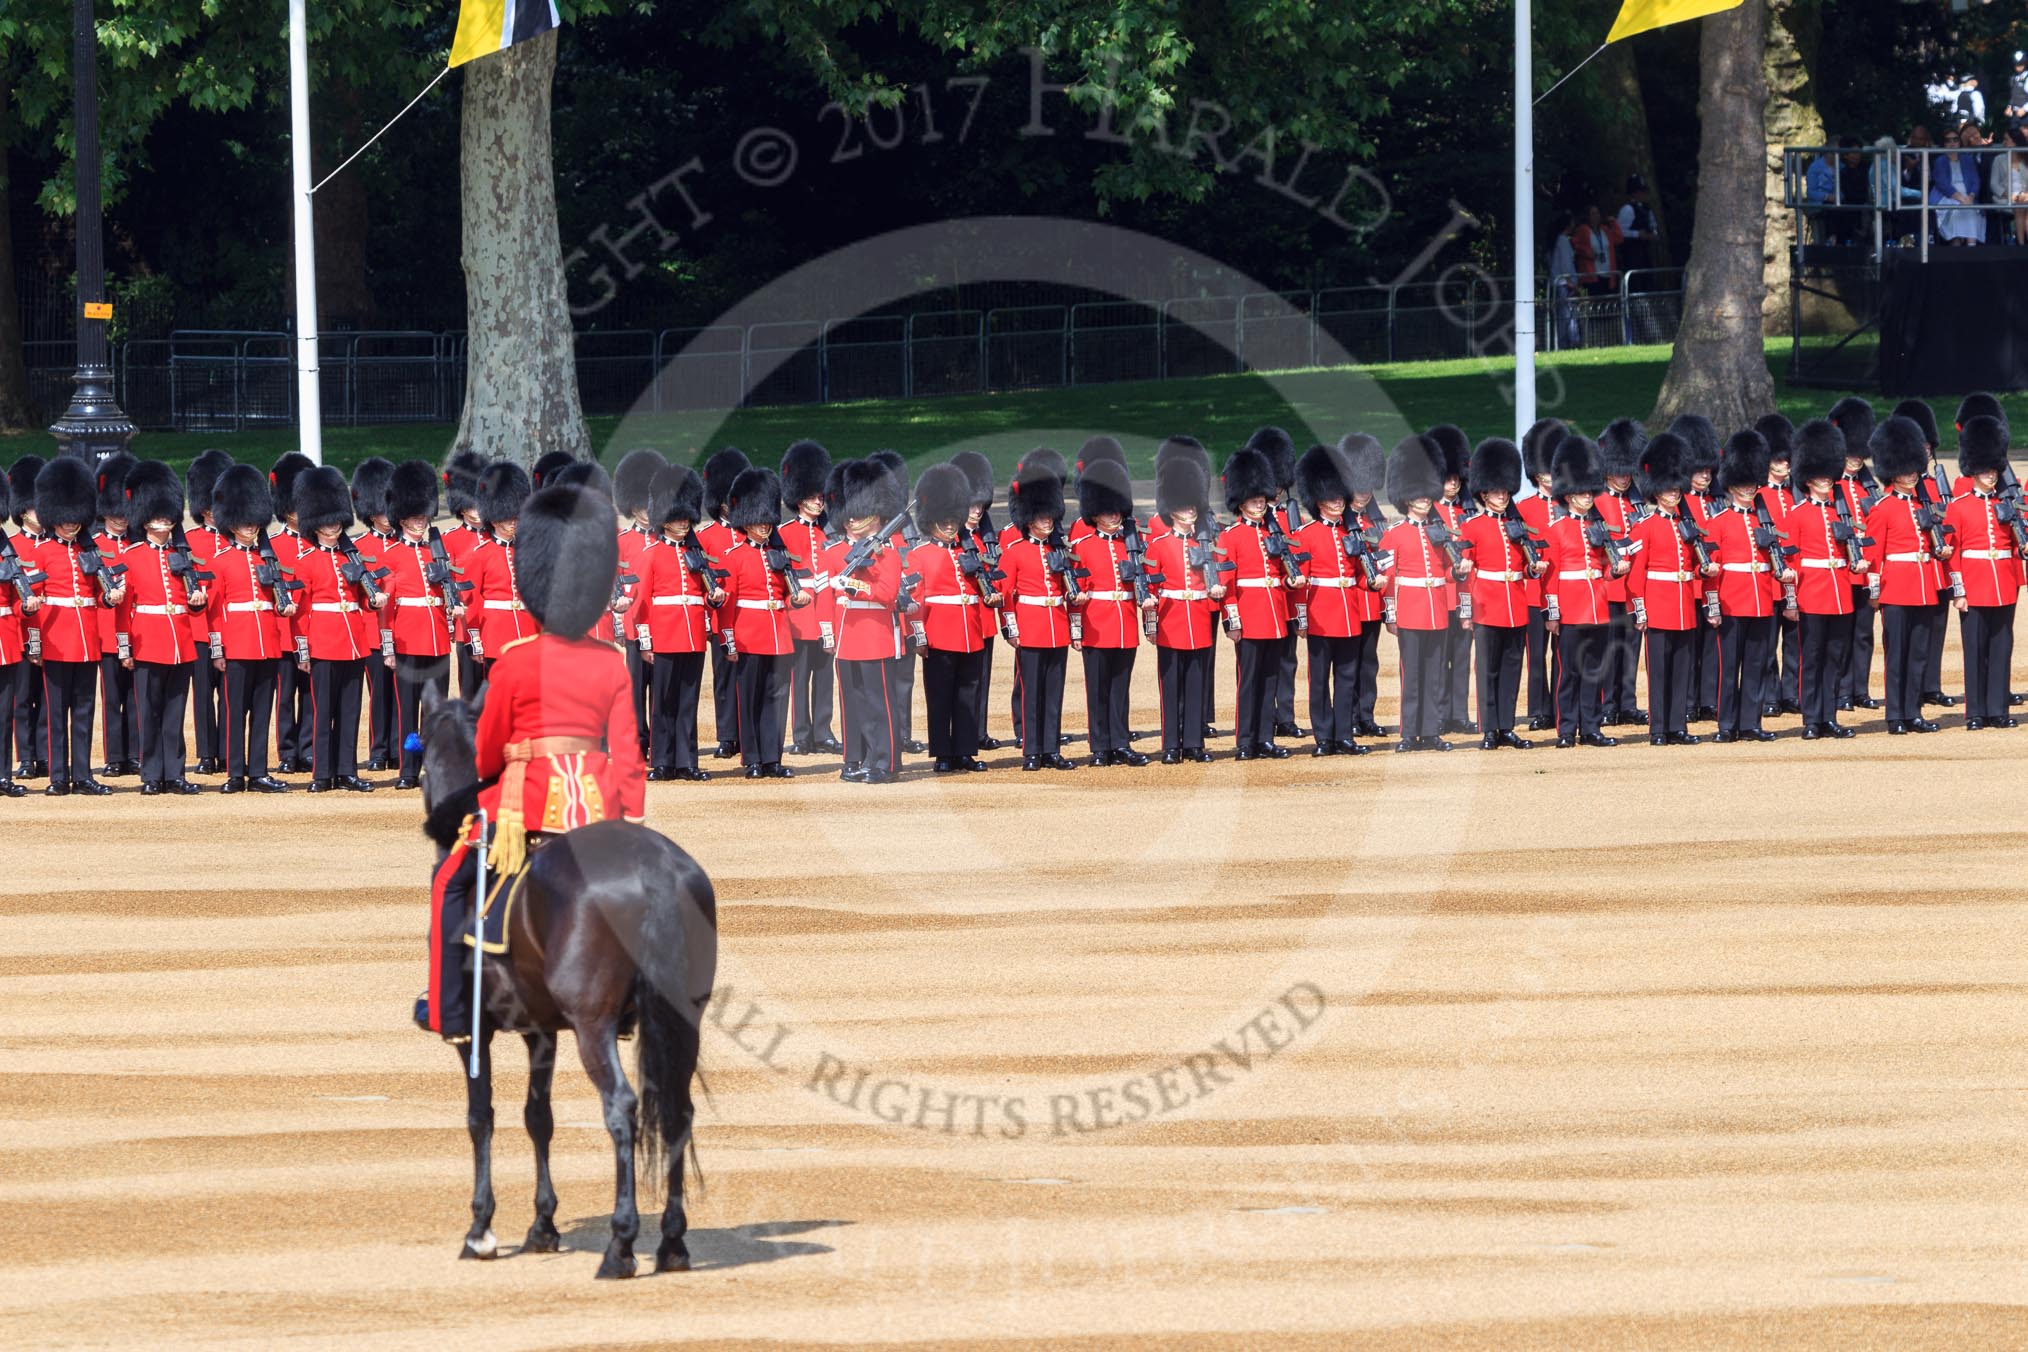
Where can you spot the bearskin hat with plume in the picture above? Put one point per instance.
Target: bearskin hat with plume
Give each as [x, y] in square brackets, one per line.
[65, 494]
[755, 500]
[1665, 466]
[565, 557]
[369, 487]
[112, 483]
[154, 493]
[1744, 461]
[943, 496]
[805, 466]
[242, 497]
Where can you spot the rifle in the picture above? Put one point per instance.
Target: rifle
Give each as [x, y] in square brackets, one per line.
[1845, 532]
[699, 563]
[1440, 535]
[904, 601]
[980, 567]
[1599, 535]
[1700, 548]
[1134, 573]
[356, 569]
[1518, 531]
[280, 582]
[775, 554]
[621, 581]
[1283, 551]
[13, 572]
[442, 574]
[1766, 537]
[1929, 516]
[109, 576]
[2008, 509]
[863, 551]
[181, 564]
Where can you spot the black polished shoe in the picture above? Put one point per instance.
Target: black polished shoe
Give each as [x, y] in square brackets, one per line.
[237, 784]
[1064, 739]
[1200, 755]
[1898, 727]
[149, 788]
[111, 770]
[1772, 711]
[880, 777]
[1975, 725]
[1565, 742]
[1406, 745]
[1839, 730]
[56, 788]
[182, 786]
[1704, 713]
[1323, 749]
[406, 783]
[1725, 736]
[378, 765]
[1812, 732]
[1598, 739]
[1939, 698]
[1269, 751]
[9, 789]
[915, 747]
[661, 774]
[852, 774]
[267, 784]
[1246, 753]
[828, 746]
[1924, 725]
[1760, 735]
[353, 784]
[1517, 743]
[1352, 749]
[1684, 739]
[973, 764]
[1465, 727]
[725, 751]
[694, 775]
[1658, 740]
[210, 765]
[1541, 723]
[2004, 721]
[1101, 759]
[1060, 763]
[943, 767]
[1172, 757]
[1288, 730]
[800, 749]
[1866, 702]
[1031, 762]
[90, 788]
[1130, 758]
[985, 744]
[24, 770]
[1844, 706]
[1490, 742]
[1435, 744]
[1211, 734]
[752, 772]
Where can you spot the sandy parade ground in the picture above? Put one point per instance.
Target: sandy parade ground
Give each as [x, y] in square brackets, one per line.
[1638, 1047]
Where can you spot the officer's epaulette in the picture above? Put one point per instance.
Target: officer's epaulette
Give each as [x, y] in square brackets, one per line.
[506, 648]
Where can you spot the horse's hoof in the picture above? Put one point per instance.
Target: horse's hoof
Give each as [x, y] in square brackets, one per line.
[672, 1260]
[616, 1267]
[483, 1247]
[542, 1239]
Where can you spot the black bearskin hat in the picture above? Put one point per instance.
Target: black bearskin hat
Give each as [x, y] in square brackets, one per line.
[1665, 466]
[242, 497]
[411, 491]
[1102, 487]
[1365, 463]
[153, 494]
[1744, 462]
[1188, 447]
[1248, 474]
[6, 497]
[943, 494]
[565, 558]
[1414, 470]
[1923, 416]
[1897, 448]
[677, 495]
[21, 484]
[834, 488]
[978, 472]
[1274, 443]
[718, 473]
[1979, 406]
[634, 480]
[1321, 476]
[1819, 451]
[872, 490]
[202, 477]
[1181, 483]
[1041, 460]
[1451, 443]
[369, 487]
[112, 483]
[461, 482]
[1780, 435]
[1538, 446]
[587, 474]
[1576, 467]
[323, 498]
[755, 500]
[1620, 447]
[282, 480]
[897, 466]
[1700, 439]
[1496, 467]
[503, 488]
[65, 494]
[1037, 492]
[1098, 450]
[804, 467]
[1854, 417]
[1982, 446]
[543, 472]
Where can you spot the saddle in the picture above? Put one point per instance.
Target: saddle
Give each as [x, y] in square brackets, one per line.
[496, 908]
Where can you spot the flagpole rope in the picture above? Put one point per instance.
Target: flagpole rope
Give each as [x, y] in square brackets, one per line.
[390, 122]
[1553, 88]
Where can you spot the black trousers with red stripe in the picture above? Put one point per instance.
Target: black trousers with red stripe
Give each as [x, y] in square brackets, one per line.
[1184, 675]
[810, 695]
[1669, 680]
[249, 704]
[31, 722]
[161, 694]
[1823, 649]
[69, 701]
[10, 680]
[1108, 675]
[1581, 661]
[1499, 657]
[1334, 695]
[335, 686]
[1259, 663]
[1366, 682]
[122, 712]
[1042, 673]
[1906, 630]
[1988, 634]
[207, 696]
[761, 684]
[985, 686]
[292, 711]
[637, 676]
[950, 692]
[872, 725]
[677, 680]
[412, 672]
[724, 695]
[1542, 655]
[383, 743]
[1744, 645]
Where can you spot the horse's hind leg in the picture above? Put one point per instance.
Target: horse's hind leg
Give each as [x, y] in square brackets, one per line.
[673, 1255]
[479, 1241]
[541, 1123]
[598, 1047]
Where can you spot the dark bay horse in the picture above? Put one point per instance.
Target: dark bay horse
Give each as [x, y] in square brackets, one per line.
[610, 915]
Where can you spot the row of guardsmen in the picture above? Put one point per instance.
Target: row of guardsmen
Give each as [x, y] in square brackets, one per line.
[1750, 572]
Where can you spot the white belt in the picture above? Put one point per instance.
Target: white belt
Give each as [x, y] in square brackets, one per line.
[1822, 563]
[1334, 582]
[1501, 577]
[334, 607]
[6, 610]
[764, 605]
[1654, 576]
[1108, 596]
[1920, 556]
[950, 600]
[1745, 567]
[1260, 582]
[71, 602]
[867, 605]
[1581, 575]
[1040, 600]
[419, 600]
[1168, 595]
[1986, 555]
[1421, 581]
[171, 609]
[684, 600]
[243, 607]
[504, 605]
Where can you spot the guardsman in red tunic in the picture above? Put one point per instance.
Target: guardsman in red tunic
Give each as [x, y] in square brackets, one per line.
[1184, 553]
[1332, 600]
[1699, 503]
[760, 590]
[415, 614]
[866, 584]
[245, 608]
[31, 728]
[1451, 507]
[336, 600]
[1579, 612]
[1854, 419]
[293, 716]
[1751, 577]
[1779, 497]
[75, 584]
[1537, 446]
[1257, 604]
[203, 543]
[555, 740]
[1036, 614]
[1365, 466]
[17, 602]
[1620, 446]
[978, 528]
[1042, 459]
[119, 711]
[461, 496]
[1275, 444]
[633, 493]
[1986, 572]
[679, 591]
[503, 615]
[1944, 487]
[805, 467]
[369, 506]
[154, 624]
[1106, 625]
[1824, 568]
[956, 614]
[1911, 573]
[1502, 582]
[1666, 586]
[1422, 590]
[718, 540]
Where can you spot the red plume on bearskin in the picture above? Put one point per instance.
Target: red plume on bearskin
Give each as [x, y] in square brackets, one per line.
[461, 481]
[543, 471]
[1665, 466]
[719, 471]
[1037, 491]
[112, 484]
[282, 480]
[1102, 488]
[1979, 405]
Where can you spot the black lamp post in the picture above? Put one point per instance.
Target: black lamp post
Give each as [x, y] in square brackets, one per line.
[93, 427]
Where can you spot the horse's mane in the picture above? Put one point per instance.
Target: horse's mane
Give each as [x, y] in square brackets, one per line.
[442, 822]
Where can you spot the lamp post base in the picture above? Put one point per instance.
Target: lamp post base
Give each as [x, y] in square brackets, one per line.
[93, 427]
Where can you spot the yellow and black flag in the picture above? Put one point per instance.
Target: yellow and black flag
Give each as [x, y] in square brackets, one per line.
[488, 26]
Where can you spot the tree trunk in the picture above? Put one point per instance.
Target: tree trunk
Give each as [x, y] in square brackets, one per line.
[1719, 368]
[520, 373]
[1794, 32]
[15, 413]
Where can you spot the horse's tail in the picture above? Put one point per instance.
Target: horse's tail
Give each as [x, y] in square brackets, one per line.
[680, 919]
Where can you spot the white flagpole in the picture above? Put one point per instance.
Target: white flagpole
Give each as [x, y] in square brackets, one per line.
[1524, 223]
[309, 414]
